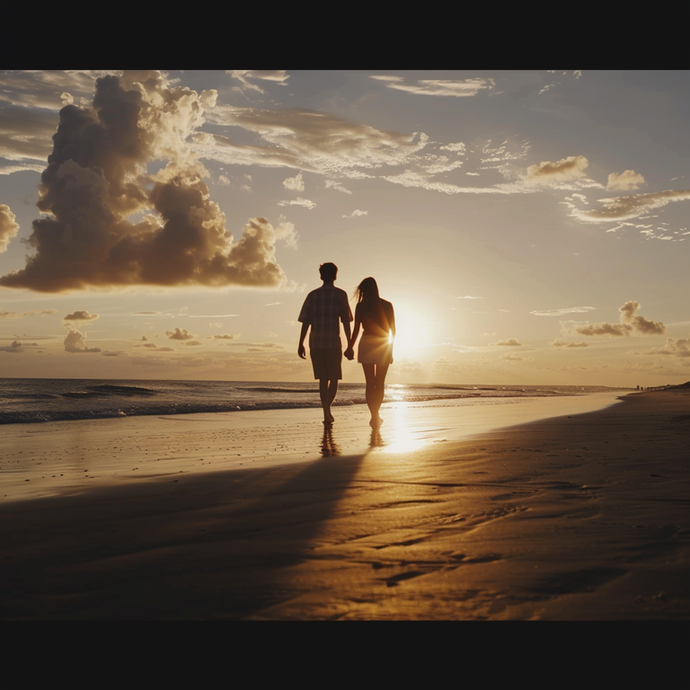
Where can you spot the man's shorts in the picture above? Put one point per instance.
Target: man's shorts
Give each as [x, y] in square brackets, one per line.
[327, 363]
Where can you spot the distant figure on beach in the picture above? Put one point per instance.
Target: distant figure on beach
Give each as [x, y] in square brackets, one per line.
[323, 310]
[377, 319]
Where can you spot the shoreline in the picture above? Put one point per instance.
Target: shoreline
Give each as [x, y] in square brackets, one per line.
[580, 516]
[70, 456]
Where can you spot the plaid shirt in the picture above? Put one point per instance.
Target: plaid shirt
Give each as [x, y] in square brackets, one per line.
[323, 310]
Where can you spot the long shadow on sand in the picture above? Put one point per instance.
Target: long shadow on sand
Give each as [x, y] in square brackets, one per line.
[199, 547]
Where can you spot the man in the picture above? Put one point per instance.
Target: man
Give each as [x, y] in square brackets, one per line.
[323, 310]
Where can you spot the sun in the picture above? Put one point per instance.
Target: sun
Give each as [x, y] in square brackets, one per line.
[415, 331]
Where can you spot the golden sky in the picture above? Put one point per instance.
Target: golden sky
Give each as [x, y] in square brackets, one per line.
[528, 226]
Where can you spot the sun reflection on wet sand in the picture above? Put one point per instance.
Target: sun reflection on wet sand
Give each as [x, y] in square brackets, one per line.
[398, 429]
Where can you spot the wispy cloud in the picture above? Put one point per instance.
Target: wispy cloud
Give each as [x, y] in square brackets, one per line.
[561, 311]
[299, 201]
[458, 88]
[628, 207]
[307, 140]
[565, 343]
[247, 77]
[20, 314]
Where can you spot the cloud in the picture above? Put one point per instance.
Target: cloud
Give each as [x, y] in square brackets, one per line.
[356, 213]
[629, 321]
[557, 80]
[564, 170]
[469, 297]
[48, 89]
[307, 141]
[97, 177]
[245, 77]
[285, 232]
[677, 347]
[299, 201]
[639, 323]
[18, 315]
[560, 312]
[80, 316]
[331, 184]
[225, 336]
[8, 226]
[180, 334]
[564, 343]
[615, 329]
[627, 207]
[294, 183]
[458, 88]
[628, 179]
[74, 342]
[511, 342]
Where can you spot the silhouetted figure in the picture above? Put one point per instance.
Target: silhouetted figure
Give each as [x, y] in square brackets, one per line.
[323, 310]
[377, 319]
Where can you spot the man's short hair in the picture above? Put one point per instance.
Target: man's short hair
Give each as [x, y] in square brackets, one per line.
[328, 271]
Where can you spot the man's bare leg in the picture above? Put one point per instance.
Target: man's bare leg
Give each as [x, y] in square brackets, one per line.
[327, 392]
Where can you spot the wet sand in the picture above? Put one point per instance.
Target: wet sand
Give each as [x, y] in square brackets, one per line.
[449, 514]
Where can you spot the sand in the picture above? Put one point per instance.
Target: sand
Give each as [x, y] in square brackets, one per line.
[538, 509]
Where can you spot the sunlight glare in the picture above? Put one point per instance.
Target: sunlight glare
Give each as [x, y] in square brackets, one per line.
[398, 427]
[413, 331]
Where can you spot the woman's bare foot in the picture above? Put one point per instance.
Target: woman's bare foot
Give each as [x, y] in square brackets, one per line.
[375, 422]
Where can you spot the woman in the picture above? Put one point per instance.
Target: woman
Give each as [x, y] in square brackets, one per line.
[376, 318]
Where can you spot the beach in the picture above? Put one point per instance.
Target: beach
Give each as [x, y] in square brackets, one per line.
[568, 508]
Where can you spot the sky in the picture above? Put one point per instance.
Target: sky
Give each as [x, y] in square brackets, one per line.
[529, 227]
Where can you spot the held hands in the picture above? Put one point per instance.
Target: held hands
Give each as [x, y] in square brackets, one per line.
[349, 354]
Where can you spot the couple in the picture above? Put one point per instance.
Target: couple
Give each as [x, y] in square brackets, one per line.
[323, 310]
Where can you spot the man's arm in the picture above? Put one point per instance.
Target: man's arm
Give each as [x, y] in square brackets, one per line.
[302, 336]
[348, 352]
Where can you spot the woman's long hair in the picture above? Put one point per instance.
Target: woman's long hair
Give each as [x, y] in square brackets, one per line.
[367, 293]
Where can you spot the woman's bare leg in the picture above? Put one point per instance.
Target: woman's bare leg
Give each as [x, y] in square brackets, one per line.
[371, 392]
[381, 371]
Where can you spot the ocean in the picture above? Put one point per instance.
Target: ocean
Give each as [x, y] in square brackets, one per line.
[25, 400]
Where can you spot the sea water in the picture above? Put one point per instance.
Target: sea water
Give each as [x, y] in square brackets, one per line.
[24, 400]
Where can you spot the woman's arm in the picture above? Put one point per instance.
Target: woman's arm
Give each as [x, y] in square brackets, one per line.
[391, 325]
